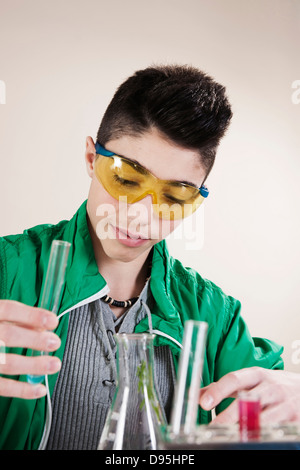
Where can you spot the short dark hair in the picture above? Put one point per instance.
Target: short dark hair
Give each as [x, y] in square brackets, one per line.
[180, 101]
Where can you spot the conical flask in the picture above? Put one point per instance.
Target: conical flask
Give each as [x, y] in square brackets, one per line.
[135, 419]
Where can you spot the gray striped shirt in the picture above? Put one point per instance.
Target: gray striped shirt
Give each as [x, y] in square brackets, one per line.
[86, 383]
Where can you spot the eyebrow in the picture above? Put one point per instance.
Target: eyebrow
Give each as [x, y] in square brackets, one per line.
[136, 165]
[144, 171]
[178, 183]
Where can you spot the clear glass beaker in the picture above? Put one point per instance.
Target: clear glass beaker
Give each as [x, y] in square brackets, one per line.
[186, 397]
[135, 419]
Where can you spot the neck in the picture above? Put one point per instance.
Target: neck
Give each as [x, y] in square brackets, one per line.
[125, 280]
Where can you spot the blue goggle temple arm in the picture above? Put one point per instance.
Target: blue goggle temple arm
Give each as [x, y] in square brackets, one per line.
[106, 153]
[102, 151]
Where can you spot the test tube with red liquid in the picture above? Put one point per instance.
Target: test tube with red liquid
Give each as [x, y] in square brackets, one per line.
[249, 416]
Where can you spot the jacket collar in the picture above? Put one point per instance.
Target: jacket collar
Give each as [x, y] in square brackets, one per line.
[83, 280]
[164, 315]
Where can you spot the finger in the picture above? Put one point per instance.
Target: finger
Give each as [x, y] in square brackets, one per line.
[281, 412]
[16, 312]
[204, 389]
[15, 336]
[268, 394]
[229, 385]
[229, 416]
[15, 364]
[13, 388]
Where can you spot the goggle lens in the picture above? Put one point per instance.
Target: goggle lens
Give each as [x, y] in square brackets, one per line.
[122, 177]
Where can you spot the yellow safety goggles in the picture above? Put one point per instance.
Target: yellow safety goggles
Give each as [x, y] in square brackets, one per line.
[121, 176]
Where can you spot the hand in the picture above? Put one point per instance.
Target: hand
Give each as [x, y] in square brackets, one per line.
[26, 327]
[279, 392]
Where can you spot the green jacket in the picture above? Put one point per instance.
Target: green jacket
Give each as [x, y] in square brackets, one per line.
[180, 294]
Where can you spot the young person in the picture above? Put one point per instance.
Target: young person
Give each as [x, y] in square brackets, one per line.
[155, 147]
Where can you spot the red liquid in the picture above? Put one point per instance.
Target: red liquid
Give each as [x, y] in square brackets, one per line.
[249, 412]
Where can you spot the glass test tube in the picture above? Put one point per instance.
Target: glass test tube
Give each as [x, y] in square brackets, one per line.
[186, 397]
[53, 287]
[249, 415]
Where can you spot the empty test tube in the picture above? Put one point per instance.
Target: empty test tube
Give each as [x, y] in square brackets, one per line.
[186, 397]
[53, 287]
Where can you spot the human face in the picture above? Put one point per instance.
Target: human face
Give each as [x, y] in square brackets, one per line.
[126, 230]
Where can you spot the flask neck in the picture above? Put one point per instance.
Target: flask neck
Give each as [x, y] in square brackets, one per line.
[135, 361]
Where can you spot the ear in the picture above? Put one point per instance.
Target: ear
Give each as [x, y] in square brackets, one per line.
[90, 155]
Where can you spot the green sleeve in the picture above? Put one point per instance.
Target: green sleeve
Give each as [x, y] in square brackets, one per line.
[10, 266]
[3, 281]
[19, 269]
[238, 349]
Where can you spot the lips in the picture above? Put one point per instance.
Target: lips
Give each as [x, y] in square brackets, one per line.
[129, 239]
[131, 235]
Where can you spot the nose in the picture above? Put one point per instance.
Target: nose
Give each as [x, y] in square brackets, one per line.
[148, 200]
[143, 219]
[141, 210]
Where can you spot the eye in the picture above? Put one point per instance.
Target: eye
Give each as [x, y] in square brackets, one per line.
[125, 182]
[174, 199]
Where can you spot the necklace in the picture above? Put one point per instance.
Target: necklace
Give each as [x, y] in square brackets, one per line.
[119, 303]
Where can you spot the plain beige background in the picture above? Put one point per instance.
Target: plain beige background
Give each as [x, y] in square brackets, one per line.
[62, 60]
